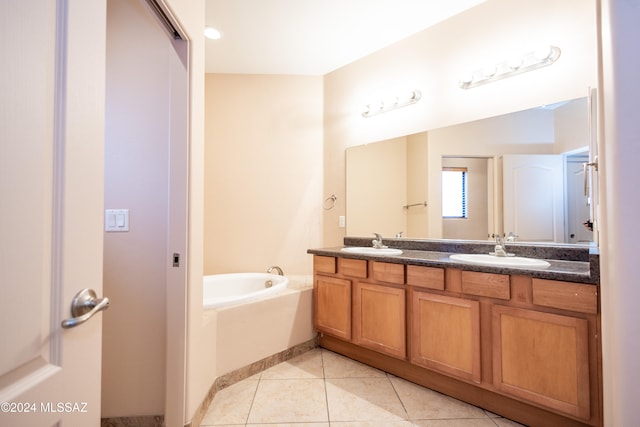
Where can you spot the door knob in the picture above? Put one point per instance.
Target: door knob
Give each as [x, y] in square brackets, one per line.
[84, 305]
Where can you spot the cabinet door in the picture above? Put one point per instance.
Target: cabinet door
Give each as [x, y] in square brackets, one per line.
[543, 358]
[379, 318]
[332, 306]
[445, 334]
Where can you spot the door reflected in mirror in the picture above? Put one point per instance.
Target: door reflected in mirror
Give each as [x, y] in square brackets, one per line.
[523, 175]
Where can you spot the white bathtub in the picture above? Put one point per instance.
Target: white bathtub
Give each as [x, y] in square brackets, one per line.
[239, 334]
[220, 290]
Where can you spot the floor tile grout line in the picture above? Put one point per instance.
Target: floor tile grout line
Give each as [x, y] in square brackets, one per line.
[484, 411]
[324, 382]
[253, 399]
[398, 396]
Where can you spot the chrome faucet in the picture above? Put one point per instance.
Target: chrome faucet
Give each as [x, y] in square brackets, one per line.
[275, 267]
[377, 242]
[511, 237]
[500, 249]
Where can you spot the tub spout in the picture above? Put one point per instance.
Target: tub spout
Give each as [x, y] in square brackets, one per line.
[275, 267]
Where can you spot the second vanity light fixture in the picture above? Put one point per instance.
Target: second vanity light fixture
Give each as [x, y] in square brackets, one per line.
[392, 103]
[539, 58]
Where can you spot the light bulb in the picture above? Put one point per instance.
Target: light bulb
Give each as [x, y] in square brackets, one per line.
[465, 79]
[514, 62]
[390, 102]
[542, 52]
[372, 108]
[211, 33]
[489, 70]
[409, 97]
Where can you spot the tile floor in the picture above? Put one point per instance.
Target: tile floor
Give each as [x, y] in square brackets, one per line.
[323, 389]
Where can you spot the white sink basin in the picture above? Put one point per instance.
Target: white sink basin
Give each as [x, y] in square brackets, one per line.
[495, 261]
[371, 251]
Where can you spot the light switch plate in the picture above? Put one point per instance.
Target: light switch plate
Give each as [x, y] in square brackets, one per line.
[116, 220]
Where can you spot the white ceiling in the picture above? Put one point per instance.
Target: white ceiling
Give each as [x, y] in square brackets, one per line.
[313, 37]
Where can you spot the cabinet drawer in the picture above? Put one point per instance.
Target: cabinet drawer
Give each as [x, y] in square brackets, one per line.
[425, 277]
[387, 272]
[565, 295]
[324, 264]
[486, 284]
[352, 267]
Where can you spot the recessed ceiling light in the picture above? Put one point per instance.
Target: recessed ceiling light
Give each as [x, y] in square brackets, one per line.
[211, 33]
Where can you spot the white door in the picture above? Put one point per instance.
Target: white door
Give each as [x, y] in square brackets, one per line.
[51, 196]
[533, 197]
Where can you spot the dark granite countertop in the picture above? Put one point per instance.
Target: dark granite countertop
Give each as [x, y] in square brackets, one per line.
[568, 263]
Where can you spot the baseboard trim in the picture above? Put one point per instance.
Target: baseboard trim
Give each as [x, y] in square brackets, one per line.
[137, 421]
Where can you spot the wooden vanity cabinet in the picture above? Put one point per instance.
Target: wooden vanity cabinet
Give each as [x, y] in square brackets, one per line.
[523, 347]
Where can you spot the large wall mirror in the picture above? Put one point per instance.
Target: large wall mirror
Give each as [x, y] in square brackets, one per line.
[522, 174]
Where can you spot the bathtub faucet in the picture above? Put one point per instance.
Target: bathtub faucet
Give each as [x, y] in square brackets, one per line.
[275, 267]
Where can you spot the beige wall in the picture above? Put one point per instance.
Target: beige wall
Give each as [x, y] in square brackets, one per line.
[263, 179]
[433, 60]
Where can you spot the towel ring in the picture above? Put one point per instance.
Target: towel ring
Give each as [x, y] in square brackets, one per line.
[329, 202]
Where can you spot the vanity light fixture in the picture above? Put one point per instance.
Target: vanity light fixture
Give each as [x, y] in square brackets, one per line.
[377, 107]
[539, 58]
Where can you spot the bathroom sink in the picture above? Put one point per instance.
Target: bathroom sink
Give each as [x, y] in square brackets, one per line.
[371, 251]
[496, 261]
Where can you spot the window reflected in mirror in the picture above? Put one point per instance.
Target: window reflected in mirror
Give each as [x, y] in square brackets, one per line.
[454, 192]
